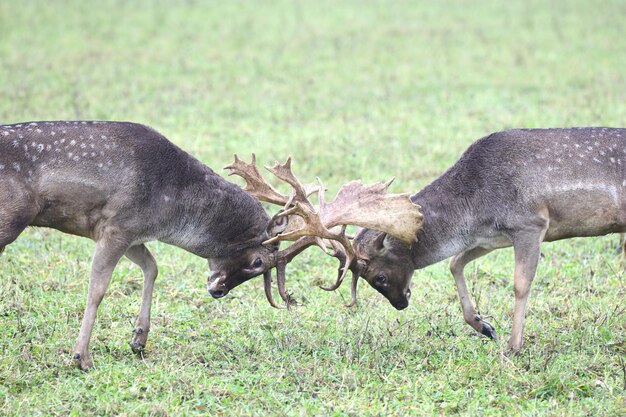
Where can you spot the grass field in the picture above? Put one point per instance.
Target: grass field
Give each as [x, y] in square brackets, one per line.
[350, 89]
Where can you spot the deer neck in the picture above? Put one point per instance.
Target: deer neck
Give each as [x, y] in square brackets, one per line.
[449, 223]
[212, 217]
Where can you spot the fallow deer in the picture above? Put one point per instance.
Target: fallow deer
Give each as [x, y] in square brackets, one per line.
[514, 188]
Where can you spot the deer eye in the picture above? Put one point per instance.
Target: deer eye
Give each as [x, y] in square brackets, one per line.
[381, 279]
[257, 263]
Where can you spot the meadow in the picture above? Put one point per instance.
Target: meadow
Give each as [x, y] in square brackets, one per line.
[352, 90]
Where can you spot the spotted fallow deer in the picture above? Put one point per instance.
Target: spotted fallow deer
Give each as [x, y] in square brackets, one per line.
[124, 184]
[514, 188]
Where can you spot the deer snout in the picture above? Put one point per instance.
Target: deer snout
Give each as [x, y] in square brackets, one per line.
[219, 293]
[216, 285]
[403, 303]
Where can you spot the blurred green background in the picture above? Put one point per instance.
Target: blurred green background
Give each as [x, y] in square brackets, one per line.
[350, 89]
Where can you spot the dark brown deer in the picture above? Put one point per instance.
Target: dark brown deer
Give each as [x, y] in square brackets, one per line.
[514, 188]
[122, 185]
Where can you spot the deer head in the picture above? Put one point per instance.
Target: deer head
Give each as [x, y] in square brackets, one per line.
[386, 264]
[324, 225]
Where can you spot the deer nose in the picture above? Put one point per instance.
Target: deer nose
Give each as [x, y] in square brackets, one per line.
[408, 295]
[219, 293]
[216, 288]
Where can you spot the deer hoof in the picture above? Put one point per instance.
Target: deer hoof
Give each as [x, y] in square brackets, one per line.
[138, 344]
[82, 362]
[488, 330]
[511, 351]
[137, 347]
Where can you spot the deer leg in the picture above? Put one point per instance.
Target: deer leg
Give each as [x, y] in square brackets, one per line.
[527, 252]
[457, 265]
[109, 250]
[141, 256]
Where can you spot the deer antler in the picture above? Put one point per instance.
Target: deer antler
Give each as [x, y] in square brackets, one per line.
[256, 184]
[355, 204]
[260, 188]
[325, 226]
[372, 207]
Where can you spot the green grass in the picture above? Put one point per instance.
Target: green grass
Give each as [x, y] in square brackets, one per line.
[352, 89]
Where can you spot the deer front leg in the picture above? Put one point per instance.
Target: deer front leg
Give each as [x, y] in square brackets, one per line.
[108, 253]
[18, 209]
[527, 252]
[143, 258]
[457, 265]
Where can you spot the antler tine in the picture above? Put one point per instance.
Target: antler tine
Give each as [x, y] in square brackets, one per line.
[282, 258]
[267, 286]
[284, 173]
[256, 184]
[285, 256]
[353, 287]
[280, 279]
[346, 257]
[298, 204]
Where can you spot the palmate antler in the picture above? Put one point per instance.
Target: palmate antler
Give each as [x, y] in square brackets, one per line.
[325, 225]
[355, 204]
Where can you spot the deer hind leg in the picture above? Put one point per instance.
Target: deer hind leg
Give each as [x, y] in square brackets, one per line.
[527, 251]
[143, 258]
[109, 250]
[471, 316]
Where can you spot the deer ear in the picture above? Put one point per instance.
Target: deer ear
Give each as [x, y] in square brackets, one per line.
[381, 243]
[277, 225]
